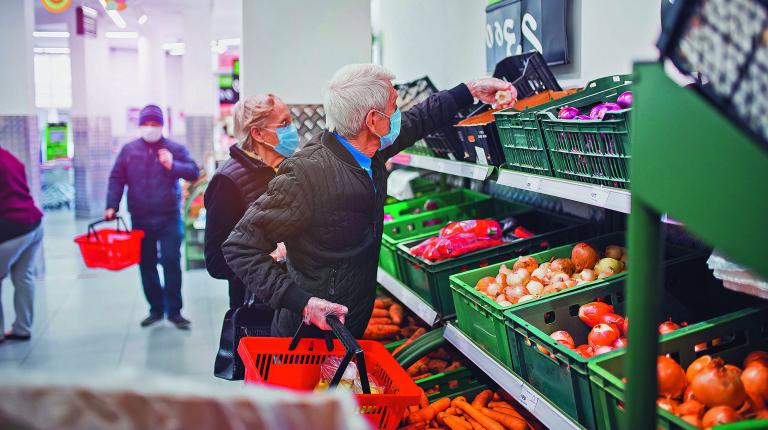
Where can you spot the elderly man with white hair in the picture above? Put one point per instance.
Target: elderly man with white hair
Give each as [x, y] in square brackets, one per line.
[326, 202]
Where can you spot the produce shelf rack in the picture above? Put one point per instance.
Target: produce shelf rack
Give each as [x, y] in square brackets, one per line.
[538, 405]
[407, 297]
[692, 162]
[456, 168]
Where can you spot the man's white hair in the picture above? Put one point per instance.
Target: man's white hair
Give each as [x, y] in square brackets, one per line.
[353, 91]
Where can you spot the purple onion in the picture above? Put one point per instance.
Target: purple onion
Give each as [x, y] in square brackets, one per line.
[598, 112]
[625, 100]
[583, 117]
[388, 218]
[568, 112]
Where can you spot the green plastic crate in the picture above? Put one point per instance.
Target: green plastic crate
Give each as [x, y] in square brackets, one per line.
[739, 333]
[431, 280]
[459, 382]
[591, 151]
[428, 224]
[520, 131]
[565, 378]
[413, 207]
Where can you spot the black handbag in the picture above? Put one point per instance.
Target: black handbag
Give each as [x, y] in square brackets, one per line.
[251, 319]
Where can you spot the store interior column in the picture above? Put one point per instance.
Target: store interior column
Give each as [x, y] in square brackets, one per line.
[152, 70]
[18, 119]
[199, 89]
[91, 123]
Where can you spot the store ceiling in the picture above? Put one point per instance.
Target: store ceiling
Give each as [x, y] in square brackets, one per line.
[164, 16]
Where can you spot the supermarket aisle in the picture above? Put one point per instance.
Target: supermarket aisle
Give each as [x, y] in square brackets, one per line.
[88, 320]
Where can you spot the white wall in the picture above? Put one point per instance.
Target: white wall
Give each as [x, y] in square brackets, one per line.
[17, 71]
[123, 92]
[292, 48]
[443, 39]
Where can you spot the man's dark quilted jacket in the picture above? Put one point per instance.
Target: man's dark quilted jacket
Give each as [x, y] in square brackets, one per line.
[330, 216]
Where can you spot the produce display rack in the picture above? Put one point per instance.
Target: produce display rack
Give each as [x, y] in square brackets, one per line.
[450, 167]
[538, 405]
[407, 297]
[690, 161]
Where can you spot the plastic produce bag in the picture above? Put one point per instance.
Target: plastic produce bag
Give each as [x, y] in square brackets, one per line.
[128, 401]
[487, 228]
[736, 277]
[349, 380]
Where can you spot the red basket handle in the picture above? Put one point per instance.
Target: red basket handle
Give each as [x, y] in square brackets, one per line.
[92, 229]
[350, 345]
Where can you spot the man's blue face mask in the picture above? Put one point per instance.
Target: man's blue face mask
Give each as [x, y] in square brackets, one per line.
[394, 129]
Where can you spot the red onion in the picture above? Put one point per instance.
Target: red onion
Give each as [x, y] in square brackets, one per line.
[598, 112]
[625, 100]
[568, 112]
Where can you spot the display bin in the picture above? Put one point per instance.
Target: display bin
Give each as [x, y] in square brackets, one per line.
[528, 72]
[405, 209]
[431, 280]
[520, 132]
[460, 382]
[483, 320]
[591, 151]
[564, 377]
[428, 224]
[731, 337]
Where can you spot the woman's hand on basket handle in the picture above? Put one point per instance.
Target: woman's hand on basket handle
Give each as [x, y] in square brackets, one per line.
[110, 214]
[317, 309]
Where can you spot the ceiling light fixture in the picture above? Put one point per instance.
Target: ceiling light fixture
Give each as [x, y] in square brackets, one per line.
[51, 50]
[121, 34]
[143, 19]
[115, 15]
[50, 34]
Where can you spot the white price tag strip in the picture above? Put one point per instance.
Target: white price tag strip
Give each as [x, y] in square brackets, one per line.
[528, 398]
[532, 184]
[598, 196]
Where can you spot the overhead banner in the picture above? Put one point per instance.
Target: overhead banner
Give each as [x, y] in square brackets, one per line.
[517, 26]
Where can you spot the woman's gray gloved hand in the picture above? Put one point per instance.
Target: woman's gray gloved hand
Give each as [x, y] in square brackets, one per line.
[493, 91]
[317, 309]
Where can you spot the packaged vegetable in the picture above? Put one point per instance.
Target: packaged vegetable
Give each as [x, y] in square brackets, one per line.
[350, 380]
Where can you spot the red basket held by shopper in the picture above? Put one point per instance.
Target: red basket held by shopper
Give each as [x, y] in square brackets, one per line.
[109, 248]
[295, 363]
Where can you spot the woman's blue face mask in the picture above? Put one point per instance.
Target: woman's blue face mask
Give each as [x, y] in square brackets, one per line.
[394, 129]
[288, 140]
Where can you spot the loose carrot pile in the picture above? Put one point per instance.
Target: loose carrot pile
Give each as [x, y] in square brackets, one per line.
[438, 361]
[488, 411]
[389, 322]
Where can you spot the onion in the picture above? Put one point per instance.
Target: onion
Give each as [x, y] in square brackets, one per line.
[559, 277]
[606, 273]
[693, 420]
[598, 112]
[716, 385]
[568, 112]
[691, 407]
[494, 289]
[483, 283]
[515, 291]
[570, 283]
[613, 251]
[590, 313]
[546, 266]
[603, 335]
[514, 279]
[505, 303]
[602, 349]
[625, 100]
[504, 269]
[761, 356]
[558, 286]
[539, 273]
[588, 275]
[583, 117]
[668, 327]
[667, 404]
[586, 351]
[620, 343]
[527, 298]
[500, 298]
[528, 263]
[534, 287]
[550, 289]
[563, 337]
[583, 256]
[720, 415]
[616, 321]
[696, 366]
[671, 377]
[755, 380]
[564, 265]
[688, 394]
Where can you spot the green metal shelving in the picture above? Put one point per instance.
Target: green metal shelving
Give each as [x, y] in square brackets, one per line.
[691, 162]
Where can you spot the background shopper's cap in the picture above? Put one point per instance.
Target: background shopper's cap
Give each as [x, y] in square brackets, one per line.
[151, 113]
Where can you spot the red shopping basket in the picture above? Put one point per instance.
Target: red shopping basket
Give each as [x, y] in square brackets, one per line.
[109, 248]
[295, 363]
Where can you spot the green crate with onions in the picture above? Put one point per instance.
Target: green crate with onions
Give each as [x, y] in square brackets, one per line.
[520, 131]
[730, 337]
[561, 373]
[594, 151]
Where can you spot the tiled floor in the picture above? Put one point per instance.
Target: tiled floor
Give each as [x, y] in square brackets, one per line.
[88, 320]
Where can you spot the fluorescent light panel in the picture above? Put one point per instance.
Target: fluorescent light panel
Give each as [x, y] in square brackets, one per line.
[51, 34]
[122, 34]
[51, 50]
[115, 15]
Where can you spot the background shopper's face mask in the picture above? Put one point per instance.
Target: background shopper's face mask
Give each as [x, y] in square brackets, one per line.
[394, 129]
[288, 140]
[151, 133]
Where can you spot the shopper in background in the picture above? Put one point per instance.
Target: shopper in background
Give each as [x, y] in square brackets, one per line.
[326, 202]
[151, 167]
[21, 236]
[266, 136]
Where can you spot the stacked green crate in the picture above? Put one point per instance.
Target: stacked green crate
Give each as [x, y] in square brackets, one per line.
[421, 205]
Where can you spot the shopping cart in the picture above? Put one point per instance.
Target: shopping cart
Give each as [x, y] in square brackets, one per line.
[112, 249]
[295, 363]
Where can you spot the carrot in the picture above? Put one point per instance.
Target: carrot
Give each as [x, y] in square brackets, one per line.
[418, 367]
[497, 397]
[453, 366]
[414, 336]
[441, 404]
[423, 401]
[383, 303]
[509, 422]
[481, 418]
[456, 423]
[379, 332]
[475, 425]
[508, 411]
[453, 384]
[482, 399]
[416, 426]
[379, 321]
[499, 404]
[442, 354]
[436, 365]
[421, 376]
[380, 313]
[396, 313]
[423, 415]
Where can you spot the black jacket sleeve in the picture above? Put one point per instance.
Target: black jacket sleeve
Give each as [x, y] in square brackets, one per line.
[434, 113]
[224, 207]
[280, 214]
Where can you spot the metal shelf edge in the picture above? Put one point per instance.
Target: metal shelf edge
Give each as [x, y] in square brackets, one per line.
[456, 168]
[413, 302]
[595, 195]
[538, 405]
